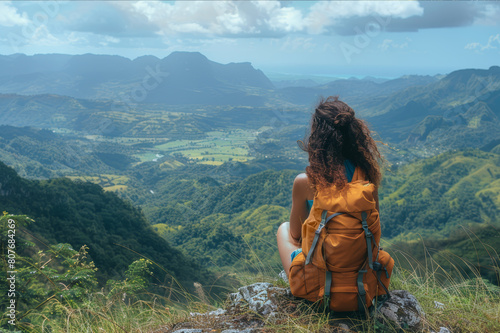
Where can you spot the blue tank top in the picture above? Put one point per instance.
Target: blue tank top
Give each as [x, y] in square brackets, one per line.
[349, 173]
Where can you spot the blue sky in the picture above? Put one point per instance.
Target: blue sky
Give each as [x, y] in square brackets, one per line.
[337, 38]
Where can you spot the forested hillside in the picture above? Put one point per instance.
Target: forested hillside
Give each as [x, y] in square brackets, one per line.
[438, 194]
[235, 224]
[446, 208]
[41, 153]
[81, 213]
[227, 216]
[223, 225]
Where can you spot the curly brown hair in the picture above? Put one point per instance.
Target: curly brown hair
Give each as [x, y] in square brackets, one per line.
[336, 135]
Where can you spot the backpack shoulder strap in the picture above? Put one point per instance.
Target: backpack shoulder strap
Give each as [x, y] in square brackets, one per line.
[324, 221]
[369, 239]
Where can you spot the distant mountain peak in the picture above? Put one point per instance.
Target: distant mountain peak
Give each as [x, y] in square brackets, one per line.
[186, 55]
[146, 57]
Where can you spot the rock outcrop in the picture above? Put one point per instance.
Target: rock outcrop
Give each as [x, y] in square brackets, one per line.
[261, 298]
[402, 310]
[260, 305]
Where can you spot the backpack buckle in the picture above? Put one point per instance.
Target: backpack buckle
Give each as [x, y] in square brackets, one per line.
[368, 233]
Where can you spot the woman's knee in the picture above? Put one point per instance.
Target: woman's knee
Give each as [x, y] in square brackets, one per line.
[285, 237]
[283, 230]
[285, 226]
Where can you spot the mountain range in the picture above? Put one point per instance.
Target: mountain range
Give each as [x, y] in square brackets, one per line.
[466, 101]
[460, 109]
[180, 78]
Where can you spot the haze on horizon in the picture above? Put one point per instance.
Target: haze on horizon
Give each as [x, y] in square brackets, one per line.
[328, 38]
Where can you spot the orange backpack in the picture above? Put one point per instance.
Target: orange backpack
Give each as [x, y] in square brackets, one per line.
[341, 263]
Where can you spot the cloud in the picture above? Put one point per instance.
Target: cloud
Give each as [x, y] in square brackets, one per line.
[439, 15]
[268, 18]
[109, 40]
[493, 43]
[208, 19]
[348, 17]
[142, 22]
[215, 18]
[341, 17]
[9, 16]
[39, 36]
[472, 46]
[42, 36]
[106, 18]
[489, 14]
[185, 18]
[389, 43]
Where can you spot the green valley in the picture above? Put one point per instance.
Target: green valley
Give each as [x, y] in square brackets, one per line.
[190, 185]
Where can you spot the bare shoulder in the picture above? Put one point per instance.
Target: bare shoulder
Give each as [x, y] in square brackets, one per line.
[301, 184]
[301, 180]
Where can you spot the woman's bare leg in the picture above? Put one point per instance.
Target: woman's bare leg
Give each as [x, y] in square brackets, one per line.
[286, 245]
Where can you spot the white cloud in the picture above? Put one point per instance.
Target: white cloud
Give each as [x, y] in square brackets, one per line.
[76, 38]
[209, 19]
[287, 19]
[328, 13]
[38, 36]
[109, 40]
[472, 46]
[493, 43]
[389, 43]
[346, 9]
[217, 18]
[9, 16]
[42, 37]
[490, 14]
[257, 18]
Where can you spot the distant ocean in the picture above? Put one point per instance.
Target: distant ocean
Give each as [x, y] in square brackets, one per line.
[321, 78]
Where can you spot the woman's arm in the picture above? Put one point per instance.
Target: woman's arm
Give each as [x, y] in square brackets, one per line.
[299, 213]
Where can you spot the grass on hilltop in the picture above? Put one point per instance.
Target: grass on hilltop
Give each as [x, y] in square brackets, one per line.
[448, 299]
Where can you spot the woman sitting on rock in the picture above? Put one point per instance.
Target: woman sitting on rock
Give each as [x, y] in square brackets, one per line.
[338, 144]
